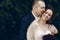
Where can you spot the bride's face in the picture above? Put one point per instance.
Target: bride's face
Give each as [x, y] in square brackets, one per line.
[47, 14]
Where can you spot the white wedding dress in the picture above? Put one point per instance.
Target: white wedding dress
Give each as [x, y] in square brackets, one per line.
[39, 33]
[35, 32]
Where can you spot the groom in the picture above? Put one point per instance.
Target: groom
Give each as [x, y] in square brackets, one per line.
[37, 10]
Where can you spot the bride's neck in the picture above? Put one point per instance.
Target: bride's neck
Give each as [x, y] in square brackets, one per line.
[42, 22]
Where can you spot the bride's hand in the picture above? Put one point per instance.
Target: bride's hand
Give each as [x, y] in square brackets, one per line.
[53, 30]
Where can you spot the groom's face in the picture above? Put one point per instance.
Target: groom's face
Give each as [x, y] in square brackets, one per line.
[41, 8]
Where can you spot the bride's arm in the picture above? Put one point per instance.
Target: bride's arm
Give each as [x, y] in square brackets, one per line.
[53, 29]
[30, 33]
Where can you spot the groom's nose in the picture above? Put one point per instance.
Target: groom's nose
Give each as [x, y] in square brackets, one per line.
[43, 9]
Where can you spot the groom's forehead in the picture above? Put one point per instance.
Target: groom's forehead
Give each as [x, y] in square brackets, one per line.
[41, 3]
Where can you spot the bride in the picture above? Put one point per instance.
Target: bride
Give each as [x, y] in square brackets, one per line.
[41, 28]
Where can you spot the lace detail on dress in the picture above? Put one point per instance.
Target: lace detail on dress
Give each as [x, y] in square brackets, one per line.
[38, 34]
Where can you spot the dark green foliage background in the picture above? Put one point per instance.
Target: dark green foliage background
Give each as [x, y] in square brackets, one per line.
[11, 12]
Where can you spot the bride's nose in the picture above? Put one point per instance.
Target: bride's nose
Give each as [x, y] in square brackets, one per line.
[46, 15]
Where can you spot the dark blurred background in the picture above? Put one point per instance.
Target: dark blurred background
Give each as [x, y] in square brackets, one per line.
[12, 11]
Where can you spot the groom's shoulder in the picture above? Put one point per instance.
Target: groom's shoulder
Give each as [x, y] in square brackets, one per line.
[28, 16]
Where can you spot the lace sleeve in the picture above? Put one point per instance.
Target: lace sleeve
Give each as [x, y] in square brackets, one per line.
[30, 33]
[53, 29]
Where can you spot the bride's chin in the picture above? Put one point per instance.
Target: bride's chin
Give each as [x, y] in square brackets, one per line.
[43, 19]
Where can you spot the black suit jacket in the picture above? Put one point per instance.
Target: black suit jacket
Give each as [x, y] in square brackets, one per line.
[25, 22]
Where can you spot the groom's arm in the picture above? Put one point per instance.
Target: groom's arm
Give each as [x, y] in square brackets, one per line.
[25, 21]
